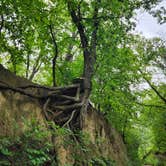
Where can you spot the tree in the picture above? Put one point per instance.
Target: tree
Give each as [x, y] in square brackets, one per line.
[41, 19]
[52, 42]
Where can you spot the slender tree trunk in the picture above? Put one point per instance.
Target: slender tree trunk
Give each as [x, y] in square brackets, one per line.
[36, 68]
[89, 48]
[1, 23]
[89, 51]
[55, 55]
[27, 66]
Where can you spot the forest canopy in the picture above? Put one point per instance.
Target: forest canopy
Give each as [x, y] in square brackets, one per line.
[53, 42]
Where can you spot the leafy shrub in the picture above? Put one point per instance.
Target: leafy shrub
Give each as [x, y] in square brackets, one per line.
[101, 161]
[31, 148]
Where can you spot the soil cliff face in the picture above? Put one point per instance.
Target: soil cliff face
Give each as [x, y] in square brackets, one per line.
[15, 107]
[107, 141]
[17, 104]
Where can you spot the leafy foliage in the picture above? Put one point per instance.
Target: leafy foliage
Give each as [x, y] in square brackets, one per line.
[30, 148]
[125, 65]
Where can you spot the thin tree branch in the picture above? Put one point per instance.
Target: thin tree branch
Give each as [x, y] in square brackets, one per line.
[105, 18]
[69, 56]
[35, 71]
[153, 87]
[36, 67]
[2, 23]
[150, 105]
[147, 154]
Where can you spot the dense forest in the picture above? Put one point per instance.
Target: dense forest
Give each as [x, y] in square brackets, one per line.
[90, 43]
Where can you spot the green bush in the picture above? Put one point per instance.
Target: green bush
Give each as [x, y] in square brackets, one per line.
[101, 161]
[31, 148]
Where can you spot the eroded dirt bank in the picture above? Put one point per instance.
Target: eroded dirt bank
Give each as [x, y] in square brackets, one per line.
[20, 99]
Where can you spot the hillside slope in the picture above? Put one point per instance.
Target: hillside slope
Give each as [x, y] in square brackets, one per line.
[22, 100]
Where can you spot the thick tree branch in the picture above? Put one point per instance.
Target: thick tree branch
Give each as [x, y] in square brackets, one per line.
[77, 21]
[89, 52]
[95, 29]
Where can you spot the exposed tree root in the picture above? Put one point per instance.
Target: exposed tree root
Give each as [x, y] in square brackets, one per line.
[47, 95]
[68, 107]
[45, 111]
[50, 88]
[70, 119]
[59, 103]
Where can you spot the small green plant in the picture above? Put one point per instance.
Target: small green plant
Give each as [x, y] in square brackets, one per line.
[102, 161]
[31, 148]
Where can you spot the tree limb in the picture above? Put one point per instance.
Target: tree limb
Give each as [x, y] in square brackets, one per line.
[77, 21]
[147, 154]
[35, 70]
[2, 23]
[94, 33]
[69, 56]
[151, 105]
[105, 18]
[153, 88]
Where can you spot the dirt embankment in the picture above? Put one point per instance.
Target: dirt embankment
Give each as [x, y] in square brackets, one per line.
[20, 99]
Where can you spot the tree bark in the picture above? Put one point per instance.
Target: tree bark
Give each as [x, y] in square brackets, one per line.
[55, 55]
[89, 48]
[89, 51]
